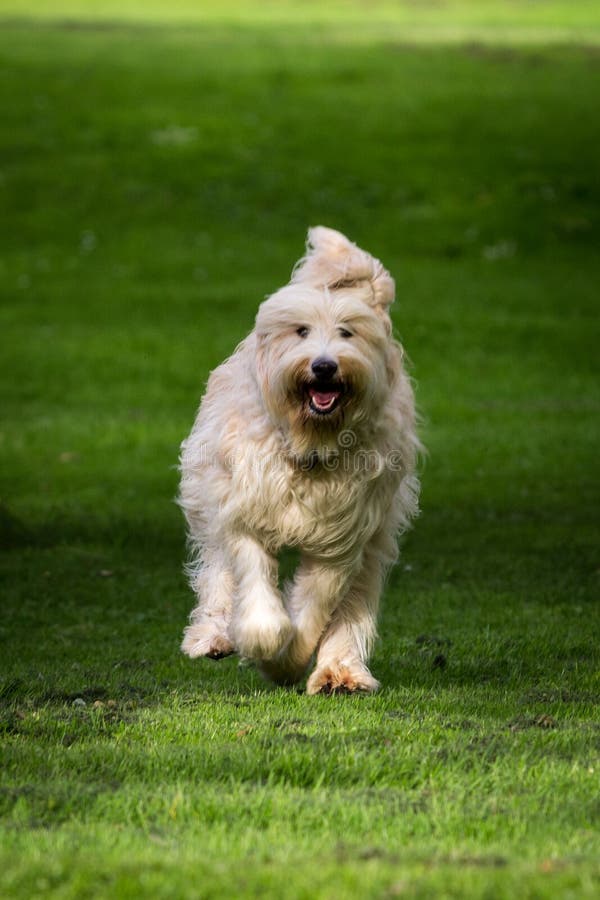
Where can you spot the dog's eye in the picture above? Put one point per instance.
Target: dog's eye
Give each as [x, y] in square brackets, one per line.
[345, 333]
[302, 331]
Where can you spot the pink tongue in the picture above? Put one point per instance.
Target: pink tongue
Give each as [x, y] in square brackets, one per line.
[324, 398]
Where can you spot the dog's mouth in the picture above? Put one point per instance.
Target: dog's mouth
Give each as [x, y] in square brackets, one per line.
[324, 398]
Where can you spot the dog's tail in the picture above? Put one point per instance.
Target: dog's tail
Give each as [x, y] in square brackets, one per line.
[332, 261]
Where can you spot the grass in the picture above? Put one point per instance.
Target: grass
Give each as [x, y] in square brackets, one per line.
[157, 179]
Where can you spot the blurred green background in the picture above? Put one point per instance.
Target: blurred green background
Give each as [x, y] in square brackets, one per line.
[160, 166]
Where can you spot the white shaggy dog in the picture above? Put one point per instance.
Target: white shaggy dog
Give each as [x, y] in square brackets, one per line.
[305, 438]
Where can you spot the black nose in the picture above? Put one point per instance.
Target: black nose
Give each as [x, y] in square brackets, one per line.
[324, 367]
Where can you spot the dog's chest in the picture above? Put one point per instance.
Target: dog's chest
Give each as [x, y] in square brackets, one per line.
[323, 513]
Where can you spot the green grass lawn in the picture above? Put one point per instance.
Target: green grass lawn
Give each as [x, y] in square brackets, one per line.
[159, 170]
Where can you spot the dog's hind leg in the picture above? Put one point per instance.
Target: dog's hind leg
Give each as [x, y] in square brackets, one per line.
[208, 633]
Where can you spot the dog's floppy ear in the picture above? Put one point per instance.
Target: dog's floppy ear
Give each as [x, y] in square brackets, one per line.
[332, 261]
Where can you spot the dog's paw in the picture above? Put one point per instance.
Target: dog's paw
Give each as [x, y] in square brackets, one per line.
[262, 637]
[342, 679]
[205, 640]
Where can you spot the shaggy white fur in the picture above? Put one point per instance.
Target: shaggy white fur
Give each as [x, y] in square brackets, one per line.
[305, 438]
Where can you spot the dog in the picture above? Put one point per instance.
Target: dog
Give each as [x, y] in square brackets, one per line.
[305, 438]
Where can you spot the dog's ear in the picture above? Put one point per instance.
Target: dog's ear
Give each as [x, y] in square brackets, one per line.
[333, 261]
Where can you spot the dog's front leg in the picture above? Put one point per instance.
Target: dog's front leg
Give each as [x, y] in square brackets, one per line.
[344, 649]
[260, 626]
[311, 601]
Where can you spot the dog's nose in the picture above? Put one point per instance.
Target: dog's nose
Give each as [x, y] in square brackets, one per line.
[323, 367]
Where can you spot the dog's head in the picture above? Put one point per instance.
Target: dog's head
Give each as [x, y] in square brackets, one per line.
[326, 359]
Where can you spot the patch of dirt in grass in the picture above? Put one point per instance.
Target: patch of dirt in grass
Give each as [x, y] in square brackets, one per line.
[86, 694]
[74, 720]
[431, 640]
[460, 724]
[558, 696]
[492, 861]
[522, 723]
[346, 852]
[431, 645]
[290, 723]
[297, 736]
[293, 730]
[506, 55]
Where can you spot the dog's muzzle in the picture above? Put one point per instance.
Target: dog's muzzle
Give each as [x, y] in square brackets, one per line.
[325, 392]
